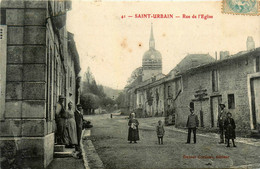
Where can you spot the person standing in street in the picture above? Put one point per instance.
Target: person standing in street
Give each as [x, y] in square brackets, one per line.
[133, 132]
[160, 132]
[60, 119]
[71, 127]
[221, 119]
[192, 124]
[230, 126]
[79, 124]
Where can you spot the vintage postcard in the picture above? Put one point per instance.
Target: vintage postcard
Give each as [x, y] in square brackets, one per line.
[129, 84]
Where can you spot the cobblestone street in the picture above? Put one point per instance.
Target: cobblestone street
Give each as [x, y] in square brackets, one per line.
[109, 137]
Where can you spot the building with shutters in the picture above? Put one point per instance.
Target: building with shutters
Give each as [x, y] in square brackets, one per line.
[39, 62]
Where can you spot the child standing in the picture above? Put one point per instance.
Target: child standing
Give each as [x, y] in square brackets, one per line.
[160, 132]
[230, 127]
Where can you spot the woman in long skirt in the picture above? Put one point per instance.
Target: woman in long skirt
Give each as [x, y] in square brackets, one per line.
[71, 127]
[133, 132]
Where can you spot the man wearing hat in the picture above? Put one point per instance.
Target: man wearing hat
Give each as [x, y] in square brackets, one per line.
[60, 119]
[221, 119]
[79, 123]
[192, 124]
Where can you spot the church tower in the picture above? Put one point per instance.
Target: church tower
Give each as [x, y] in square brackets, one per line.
[152, 60]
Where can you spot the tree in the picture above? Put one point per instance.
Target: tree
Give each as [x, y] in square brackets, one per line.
[120, 100]
[89, 102]
[135, 74]
[89, 76]
[93, 95]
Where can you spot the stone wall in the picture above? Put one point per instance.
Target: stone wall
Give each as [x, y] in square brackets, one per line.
[232, 79]
[35, 76]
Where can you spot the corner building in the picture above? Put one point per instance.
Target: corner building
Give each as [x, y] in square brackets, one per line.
[39, 62]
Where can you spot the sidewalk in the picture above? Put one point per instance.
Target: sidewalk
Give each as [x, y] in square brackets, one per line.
[90, 156]
[68, 161]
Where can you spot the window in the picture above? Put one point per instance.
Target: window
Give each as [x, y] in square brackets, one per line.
[257, 63]
[214, 80]
[231, 101]
[3, 17]
[169, 91]
[192, 105]
[71, 79]
[178, 87]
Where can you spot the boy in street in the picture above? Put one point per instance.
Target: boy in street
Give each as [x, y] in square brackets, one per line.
[160, 132]
[192, 124]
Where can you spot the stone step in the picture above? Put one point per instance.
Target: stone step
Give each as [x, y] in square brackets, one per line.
[255, 134]
[63, 154]
[59, 148]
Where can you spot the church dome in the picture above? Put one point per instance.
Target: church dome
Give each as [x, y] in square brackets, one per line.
[152, 58]
[152, 55]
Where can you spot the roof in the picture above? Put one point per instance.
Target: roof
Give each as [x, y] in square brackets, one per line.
[239, 55]
[191, 61]
[75, 56]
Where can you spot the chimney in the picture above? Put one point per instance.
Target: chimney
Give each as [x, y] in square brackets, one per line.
[216, 55]
[250, 44]
[223, 55]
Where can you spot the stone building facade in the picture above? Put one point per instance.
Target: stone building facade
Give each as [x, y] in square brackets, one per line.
[233, 81]
[205, 82]
[38, 64]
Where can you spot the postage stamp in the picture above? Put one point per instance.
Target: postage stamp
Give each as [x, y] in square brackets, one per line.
[241, 7]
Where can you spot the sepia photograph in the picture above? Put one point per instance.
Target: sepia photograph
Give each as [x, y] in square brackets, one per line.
[143, 84]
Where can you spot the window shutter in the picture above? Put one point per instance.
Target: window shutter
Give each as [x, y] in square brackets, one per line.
[3, 49]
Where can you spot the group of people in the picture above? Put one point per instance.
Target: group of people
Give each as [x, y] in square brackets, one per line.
[69, 125]
[133, 132]
[226, 126]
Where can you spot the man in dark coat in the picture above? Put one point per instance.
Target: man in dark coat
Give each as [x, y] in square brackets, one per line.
[230, 126]
[60, 119]
[192, 124]
[79, 123]
[221, 119]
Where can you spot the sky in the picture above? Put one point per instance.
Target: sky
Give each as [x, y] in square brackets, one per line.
[113, 47]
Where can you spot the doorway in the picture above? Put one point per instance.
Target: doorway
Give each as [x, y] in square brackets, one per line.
[214, 106]
[255, 102]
